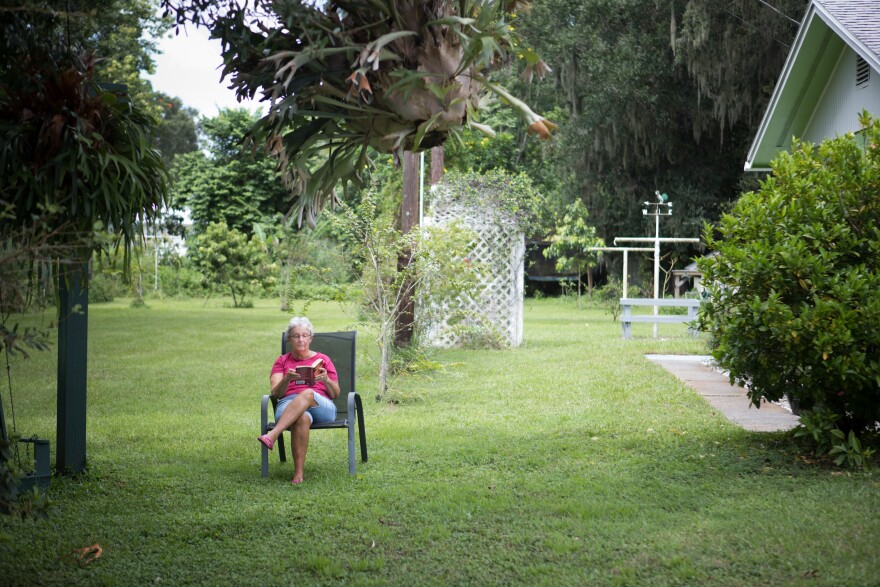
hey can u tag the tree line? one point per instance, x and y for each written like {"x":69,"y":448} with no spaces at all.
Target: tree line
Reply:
{"x":646,"y":97}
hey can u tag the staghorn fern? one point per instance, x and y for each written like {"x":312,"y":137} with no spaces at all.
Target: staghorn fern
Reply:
{"x":344,"y":76}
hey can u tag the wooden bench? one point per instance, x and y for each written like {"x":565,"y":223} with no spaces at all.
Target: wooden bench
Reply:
{"x":627,"y":318}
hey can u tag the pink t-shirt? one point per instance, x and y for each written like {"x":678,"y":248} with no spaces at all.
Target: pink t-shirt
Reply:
{"x":285,"y":362}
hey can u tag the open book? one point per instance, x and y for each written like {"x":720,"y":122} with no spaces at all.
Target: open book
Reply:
{"x":307,"y":372}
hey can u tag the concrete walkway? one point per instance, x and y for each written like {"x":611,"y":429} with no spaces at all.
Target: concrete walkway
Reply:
{"x":728,"y":399}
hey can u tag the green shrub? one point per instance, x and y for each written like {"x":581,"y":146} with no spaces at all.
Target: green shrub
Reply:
{"x":107,"y":285}
{"x":816,"y":426}
{"x":794,"y":303}
{"x":180,"y":282}
{"x":231,"y":263}
{"x":304,"y":290}
{"x":608,"y":297}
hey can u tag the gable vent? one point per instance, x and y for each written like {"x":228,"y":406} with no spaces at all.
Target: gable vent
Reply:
{"x":863,"y":73}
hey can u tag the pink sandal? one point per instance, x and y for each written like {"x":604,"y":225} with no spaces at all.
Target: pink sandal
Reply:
{"x":267,"y":442}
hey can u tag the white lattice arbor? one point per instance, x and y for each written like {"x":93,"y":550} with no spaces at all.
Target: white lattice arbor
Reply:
{"x":494,"y":313}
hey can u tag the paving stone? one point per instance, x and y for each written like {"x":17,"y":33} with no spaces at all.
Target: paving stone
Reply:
{"x":729,"y":400}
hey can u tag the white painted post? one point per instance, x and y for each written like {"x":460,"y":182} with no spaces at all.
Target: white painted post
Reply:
{"x":656,"y":266}
{"x":156,"y":273}
{"x":655,"y":209}
{"x":625,"y":251}
{"x":519,"y":253}
{"x":421,"y":187}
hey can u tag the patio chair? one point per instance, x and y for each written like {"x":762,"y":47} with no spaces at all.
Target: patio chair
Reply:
{"x":340,"y":347}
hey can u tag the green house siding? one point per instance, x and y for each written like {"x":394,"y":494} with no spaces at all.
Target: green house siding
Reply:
{"x":843,"y":100}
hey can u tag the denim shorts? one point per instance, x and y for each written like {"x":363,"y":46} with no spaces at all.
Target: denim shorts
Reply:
{"x":325,"y":411}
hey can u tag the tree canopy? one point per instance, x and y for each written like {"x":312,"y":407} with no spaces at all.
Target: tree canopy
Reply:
{"x":661,"y":96}
{"x":71,"y":148}
{"x":571,"y":242}
{"x":341,"y":77}
{"x":176,"y":132}
{"x":226,"y":182}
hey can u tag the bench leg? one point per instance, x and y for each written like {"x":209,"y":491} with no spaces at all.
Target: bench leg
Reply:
{"x":692,"y":316}
{"x":624,"y":321}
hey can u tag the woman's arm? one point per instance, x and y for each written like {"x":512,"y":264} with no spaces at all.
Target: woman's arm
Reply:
{"x":331,"y":386}
{"x":278,"y":383}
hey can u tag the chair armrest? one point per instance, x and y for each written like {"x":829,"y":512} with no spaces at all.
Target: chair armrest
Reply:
{"x":351,"y":407}
{"x":264,"y":408}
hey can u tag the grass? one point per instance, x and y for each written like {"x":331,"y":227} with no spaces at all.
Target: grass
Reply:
{"x":569,"y":461}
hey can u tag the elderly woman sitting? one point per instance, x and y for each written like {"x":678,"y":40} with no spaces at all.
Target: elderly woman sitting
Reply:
{"x":301,"y":402}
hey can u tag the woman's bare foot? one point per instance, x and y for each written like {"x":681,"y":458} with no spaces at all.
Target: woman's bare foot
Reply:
{"x":297,"y":479}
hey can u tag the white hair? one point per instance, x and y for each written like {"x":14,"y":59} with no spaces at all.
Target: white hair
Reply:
{"x":301,"y":322}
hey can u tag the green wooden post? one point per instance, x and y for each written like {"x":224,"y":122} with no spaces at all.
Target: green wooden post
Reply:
{"x":72,"y":337}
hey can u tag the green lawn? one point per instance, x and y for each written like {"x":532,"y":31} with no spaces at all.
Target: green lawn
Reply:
{"x":569,"y":461}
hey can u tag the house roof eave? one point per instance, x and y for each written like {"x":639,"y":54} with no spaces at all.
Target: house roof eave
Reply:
{"x":817,"y":15}
{"x":781,"y":84}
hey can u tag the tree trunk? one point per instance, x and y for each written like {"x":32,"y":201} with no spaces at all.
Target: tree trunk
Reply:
{"x":409,"y":219}
{"x":232,"y":291}
{"x":284,"y":285}
{"x":590,"y":282}
{"x":438,"y":158}
{"x":384,"y":357}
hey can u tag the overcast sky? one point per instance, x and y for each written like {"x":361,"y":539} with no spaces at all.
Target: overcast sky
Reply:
{"x":188,"y":68}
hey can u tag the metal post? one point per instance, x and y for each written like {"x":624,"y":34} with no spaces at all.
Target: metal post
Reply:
{"x":625,"y":271}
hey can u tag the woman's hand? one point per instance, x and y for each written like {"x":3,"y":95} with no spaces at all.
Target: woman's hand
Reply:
{"x":330,"y":386}
{"x":291,"y":374}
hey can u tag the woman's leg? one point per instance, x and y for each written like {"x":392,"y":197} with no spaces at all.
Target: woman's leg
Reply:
{"x":300,"y":435}
{"x":293,"y":412}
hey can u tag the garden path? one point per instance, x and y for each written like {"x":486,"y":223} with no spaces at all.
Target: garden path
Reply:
{"x":697,"y":372}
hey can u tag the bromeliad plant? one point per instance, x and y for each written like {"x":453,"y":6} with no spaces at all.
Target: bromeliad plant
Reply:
{"x":344,"y":76}
{"x":77,"y":153}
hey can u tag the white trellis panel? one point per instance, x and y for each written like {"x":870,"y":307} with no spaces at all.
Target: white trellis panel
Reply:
{"x":497,"y":307}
